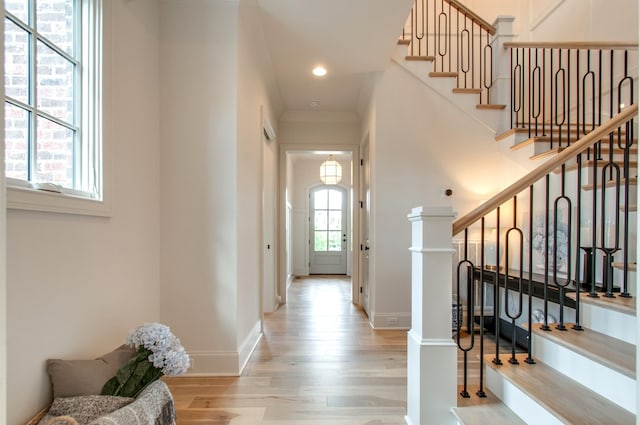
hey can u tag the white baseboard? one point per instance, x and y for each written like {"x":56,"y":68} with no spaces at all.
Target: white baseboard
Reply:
{"x":390,"y":320}
{"x":225,"y":363}
{"x":249,"y":345}
{"x":213,"y":363}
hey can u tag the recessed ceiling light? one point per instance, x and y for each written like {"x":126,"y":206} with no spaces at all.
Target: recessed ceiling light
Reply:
{"x":319,"y":71}
{"x":314,"y":104}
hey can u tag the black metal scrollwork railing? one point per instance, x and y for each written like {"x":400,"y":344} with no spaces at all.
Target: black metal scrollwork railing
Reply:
{"x":562,"y":91}
{"x":567,"y":223}
{"x":456,"y":40}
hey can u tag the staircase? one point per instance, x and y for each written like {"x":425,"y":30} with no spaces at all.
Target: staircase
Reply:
{"x":578,"y":364}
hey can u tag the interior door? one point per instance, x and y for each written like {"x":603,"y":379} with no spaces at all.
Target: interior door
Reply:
{"x":328,"y":230}
{"x":364,"y":219}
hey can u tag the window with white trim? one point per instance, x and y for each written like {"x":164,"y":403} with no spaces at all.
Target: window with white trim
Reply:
{"x":52,"y":51}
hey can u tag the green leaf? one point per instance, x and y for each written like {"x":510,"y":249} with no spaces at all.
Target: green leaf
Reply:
{"x":129,"y":378}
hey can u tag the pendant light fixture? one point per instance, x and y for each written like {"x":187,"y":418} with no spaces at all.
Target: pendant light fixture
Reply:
{"x":330,"y":171}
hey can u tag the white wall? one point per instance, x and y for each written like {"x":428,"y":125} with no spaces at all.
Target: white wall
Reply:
{"x":318,"y":129}
{"x":3,"y":265}
{"x":199,"y":166}
{"x":77,"y":284}
{"x":255,"y":94}
{"x":214,"y":82}
{"x":565,"y":20}
{"x":420,"y":145}
{"x":579,"y":20}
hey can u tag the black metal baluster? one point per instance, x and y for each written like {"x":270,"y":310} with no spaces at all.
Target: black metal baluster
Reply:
{"x":529,"y":78}
{"x":488,"y":59}
{"x":563,"y":198}
{"x":529,"y":359}
{"x":609,"y":248}
{"x":449,"y":32}
{"x":576,"y":326}
{"x":458,"y":44}
{"x":413,"y":33}
{"x":465,"y":48}
{"x":514,"y":114}
{"x":435,"y":37}
{"x":522,"y":83}
{"x":516,"y":315}
{"x":473,"y":56}
{"x":419,"y":35}
{"x":516,"y":97}
{"x":544,"y":90}
{"x":560,"y":73}
{"x":551,"y":103}
{"x":566,"y":105}
{"x":481,"y":393}
{"x":496,"y":289}
{"x":626,"y":148}
{"x":469,"y":287}
{"x":588,"y":75}
{"x":545,"y":325}
{"x":594,"y":221}
{"x":442,"y":34}
{"x":536,"y":96}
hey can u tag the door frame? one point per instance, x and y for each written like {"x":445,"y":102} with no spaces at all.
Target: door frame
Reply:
{"x":354,"y":257}
{"x":269,"y":288}
{"x":365,"y":303}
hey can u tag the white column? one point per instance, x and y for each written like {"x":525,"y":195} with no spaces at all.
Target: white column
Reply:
{"x":431,"y":352}
{"x":501,"y":87}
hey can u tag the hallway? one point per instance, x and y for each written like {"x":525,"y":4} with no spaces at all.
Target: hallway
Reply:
{"x":319,"y":362}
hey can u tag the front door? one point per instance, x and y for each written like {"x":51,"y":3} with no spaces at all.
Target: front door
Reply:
{"x":328,"y":230}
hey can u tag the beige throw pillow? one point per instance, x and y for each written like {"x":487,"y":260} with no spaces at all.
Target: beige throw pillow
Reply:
{"x":86,"y":377}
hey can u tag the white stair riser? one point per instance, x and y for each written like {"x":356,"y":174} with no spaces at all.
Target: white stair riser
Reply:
{"x":613,"y":385}
{"x":528,"y":409}
{"x":613,"y":323}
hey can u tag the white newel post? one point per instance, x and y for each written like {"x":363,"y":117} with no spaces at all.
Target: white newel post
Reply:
{"x":501,"y":85}
{"x":431,"y":351}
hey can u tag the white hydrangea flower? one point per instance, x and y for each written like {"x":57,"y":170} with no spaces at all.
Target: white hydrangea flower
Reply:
{"x":167,"y":353}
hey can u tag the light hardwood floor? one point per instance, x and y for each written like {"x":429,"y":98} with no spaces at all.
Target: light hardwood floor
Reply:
{"x":318,"y":363}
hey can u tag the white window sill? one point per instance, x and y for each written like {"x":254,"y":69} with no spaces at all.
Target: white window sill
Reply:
{"x":22,"y":197}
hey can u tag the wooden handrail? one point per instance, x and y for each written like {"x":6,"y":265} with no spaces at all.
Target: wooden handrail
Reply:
{"x":474,"y":17}
{"x":604,"y":45}
{"x":571,"y":152}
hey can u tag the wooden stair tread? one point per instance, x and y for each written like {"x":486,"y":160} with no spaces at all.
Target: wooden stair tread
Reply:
{"x":610,"y":352}
{"x":544,"y":154}
{"x":443,"y":74}
{"x":569,"y":401}
{"x":589,"y":163}
{"x":491,"y":107}
{"x":633,"y":181}
{"x":404,"y":42}
{"x":620,"y":304}
{"x":555,"y":130}
{"x":467,"y":91}
{"x":482,"y":411}
{"x":631,"y":266}
{"x":560,"y":149}
{"x":420,"y":58}
{"x":547,"y":139}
